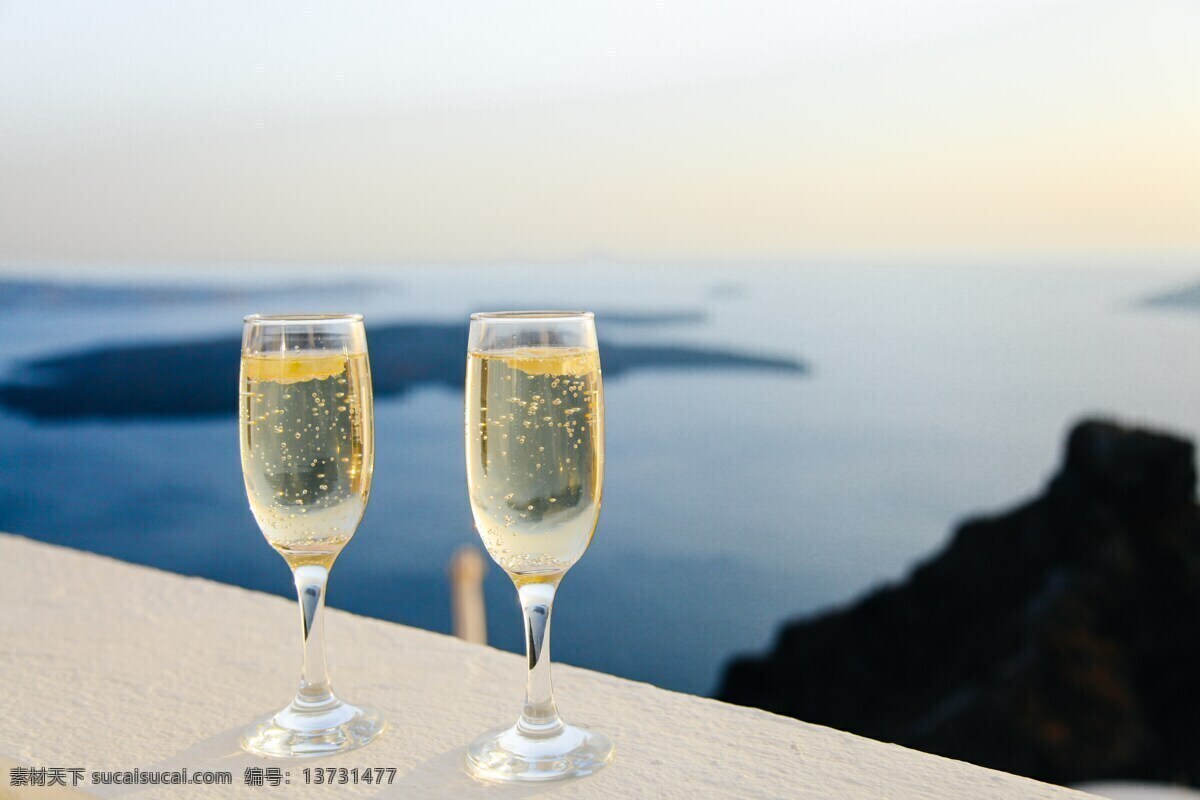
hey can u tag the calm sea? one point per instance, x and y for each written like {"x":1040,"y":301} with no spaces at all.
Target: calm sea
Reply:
{"x":780,"y":439}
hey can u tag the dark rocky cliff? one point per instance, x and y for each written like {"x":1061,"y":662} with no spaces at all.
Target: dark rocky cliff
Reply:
{"x":1060,"y":640}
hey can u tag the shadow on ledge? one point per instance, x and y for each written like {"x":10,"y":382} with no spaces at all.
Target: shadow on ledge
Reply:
{"x":197,"y":379}
{"x":1059,"y":640}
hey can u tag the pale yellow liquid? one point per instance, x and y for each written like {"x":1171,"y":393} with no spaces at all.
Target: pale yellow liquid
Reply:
{"x":307,"y":450}
{"x":535,"y":456}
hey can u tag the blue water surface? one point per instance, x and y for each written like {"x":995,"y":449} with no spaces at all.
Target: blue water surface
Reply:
{"x":780,"y":439}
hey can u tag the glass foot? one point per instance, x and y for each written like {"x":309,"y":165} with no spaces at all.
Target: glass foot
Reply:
{"x":307,"y":731}
{"x":517,"y":754}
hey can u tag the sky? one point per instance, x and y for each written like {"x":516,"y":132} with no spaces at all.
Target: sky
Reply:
{"x":391,"y":131}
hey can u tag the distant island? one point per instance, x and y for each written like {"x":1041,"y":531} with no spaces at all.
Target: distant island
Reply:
{"x":1186,"y":297}
{"x":199,"y":378}
{"x":1058,"y":640}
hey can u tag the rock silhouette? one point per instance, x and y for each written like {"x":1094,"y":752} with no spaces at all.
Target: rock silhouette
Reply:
{"x":1060,"y":640}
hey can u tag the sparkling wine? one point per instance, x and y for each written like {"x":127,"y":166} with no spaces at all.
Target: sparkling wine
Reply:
{"x":307,"y":449}
{"x":535,"y":455}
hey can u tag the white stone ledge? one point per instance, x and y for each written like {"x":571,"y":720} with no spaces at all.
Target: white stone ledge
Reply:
{"x":110,"y":666}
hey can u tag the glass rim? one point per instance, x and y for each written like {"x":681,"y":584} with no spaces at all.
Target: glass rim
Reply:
{"x":520,"y":316}
{"x":300,"y":319}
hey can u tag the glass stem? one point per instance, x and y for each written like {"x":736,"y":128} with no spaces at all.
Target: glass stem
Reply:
{"x":540,"y":716}
{"x":315,"y":689}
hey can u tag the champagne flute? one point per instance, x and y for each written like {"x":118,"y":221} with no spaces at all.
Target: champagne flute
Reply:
{"x":535,"y":471}
{"x":307,"y":441}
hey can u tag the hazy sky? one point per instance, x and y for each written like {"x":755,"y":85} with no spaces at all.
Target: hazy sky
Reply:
{"x":398,"y":131}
